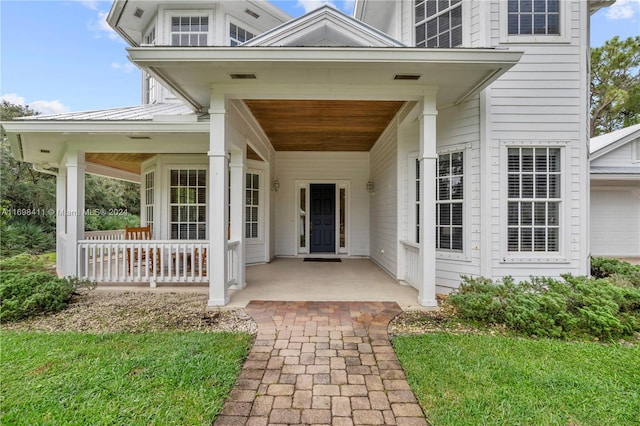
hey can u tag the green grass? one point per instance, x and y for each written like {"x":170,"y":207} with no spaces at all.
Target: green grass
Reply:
{"x":117,"y":379}
{"x":497,"y":380}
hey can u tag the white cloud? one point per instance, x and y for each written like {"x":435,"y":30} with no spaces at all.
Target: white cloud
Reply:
{"x":623,"y":9}
{"x":42,"y":106}
{"x":309,"y":5}
{"x":12,"y":98}
{"x":100,"y":27}
{"x":90,"y":4}
{"x":126,"y":67}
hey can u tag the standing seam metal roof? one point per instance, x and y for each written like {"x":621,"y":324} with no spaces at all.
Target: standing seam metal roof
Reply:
{"x":133,"y":113}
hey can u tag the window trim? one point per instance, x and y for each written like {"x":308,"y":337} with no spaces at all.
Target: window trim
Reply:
{"x":564,"y":22}
{"x":467,"y":215}
{"x":563,"y":223}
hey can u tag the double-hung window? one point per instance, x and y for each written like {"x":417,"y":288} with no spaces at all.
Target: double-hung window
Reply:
{"x":534,"y":197}
{"x":449,"y":201}
{"x":149,"y":197}
{"x":533,"y":17}
{"x":188,"y":204}
{"x":189,"y":30}
{"x":438,"y":23}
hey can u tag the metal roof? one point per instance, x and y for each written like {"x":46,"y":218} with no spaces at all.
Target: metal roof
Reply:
{"x":133,"y":113}
{"x":603,"y":141}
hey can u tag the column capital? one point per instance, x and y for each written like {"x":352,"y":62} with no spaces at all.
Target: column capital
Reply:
{"x":217,"y":154}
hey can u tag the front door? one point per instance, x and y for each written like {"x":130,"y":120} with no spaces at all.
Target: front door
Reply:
{"x":323,"y":218}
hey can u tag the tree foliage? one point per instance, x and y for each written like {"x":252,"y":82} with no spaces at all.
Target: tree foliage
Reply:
{"x":615,"y":85}
{"x":22,"y":189}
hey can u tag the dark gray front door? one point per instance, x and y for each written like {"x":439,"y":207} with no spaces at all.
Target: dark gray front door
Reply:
{"x":323,"y":218}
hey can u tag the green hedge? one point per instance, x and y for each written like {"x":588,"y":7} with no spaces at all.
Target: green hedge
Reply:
{"x":27,"y":288}
{"x":571,"y":307}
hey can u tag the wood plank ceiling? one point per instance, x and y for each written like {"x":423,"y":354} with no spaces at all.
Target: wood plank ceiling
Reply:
{"x":127,"y":162}
{"x":313,"y":125}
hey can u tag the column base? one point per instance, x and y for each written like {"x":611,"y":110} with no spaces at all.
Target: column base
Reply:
{"x":428,"y":302}
{"x":218,"y":302}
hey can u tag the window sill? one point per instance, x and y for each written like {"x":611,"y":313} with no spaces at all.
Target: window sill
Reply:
{"x":459,"y":257}
{"x":533,"y":258}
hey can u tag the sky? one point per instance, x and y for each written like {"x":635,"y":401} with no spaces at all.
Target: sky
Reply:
{"x":60,"y":55}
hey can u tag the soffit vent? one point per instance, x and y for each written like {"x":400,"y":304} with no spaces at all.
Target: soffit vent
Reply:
{"x":139,"y":137}
{"x":413,"y":77}
{"x":138,"y":13}
{"x":246,"y":76}
{"x":251,"y":13}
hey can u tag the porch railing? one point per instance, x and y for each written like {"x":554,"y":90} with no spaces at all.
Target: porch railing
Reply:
{"x":152,"y":261}
{"x":412,"y":264}
{"x":116,"y":234}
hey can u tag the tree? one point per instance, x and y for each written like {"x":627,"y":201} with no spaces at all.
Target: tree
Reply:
{"x":615,"y":85}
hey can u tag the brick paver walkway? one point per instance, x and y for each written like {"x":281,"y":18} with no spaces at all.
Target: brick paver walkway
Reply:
{"x":322,"y":363}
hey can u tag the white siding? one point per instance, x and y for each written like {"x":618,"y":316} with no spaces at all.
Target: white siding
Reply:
{"x":459,"y":128}
{"x":322,"y":167}
{"x":540,"y":100}
{"x":615,"y":222}
{"x":619,"y":157}
{"x":384,"y":201}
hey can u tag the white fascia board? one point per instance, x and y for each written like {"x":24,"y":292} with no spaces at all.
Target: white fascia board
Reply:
{"x":614,"y":177}
{"x":110,"y":172}
{"x":148,"y":56}
{"x":68,"y":126}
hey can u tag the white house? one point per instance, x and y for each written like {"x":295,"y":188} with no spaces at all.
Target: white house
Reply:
{"x":615,"y":193}
{"x":436,"y":138}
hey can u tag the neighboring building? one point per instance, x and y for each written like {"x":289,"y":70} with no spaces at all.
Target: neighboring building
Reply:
{"x":615,"y":193}
{"x":436,"y":138}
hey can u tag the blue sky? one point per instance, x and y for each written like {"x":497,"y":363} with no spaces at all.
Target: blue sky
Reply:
{"x":59,"y":56}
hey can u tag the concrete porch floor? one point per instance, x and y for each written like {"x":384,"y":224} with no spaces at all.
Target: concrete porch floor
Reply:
{"x":292,"y":279}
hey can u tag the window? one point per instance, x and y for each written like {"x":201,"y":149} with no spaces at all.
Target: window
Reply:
{"x":303,"y":219}
{"x":149,"y":186}
{"x":343,"y":217}
{"x":188,"y":204}
{"x":449,"y":201}
{"x":150,"y":82}
{"x":189,"y":30}
{"x":534,"y":196}
{"x":238,"y":35}
{"x":252,"y":205}
{"x":438,"y":23}
{"x":531,"y":17}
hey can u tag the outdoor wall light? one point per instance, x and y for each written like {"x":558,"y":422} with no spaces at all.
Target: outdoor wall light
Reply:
{"x":370,"y":187}
{"x":276,"y":185}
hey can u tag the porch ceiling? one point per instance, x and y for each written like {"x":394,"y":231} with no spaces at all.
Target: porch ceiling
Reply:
{"x":313,"y":125}
{"x":120,"y":161}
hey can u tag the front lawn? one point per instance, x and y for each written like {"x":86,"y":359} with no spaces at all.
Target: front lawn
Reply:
{"x":498,"y":380}
{"x":74,"y":378}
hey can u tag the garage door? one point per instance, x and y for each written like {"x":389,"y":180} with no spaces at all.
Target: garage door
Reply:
{"x":615,"y":222}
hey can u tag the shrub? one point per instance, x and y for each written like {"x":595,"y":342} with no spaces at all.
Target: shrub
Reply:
{"x":603,"y":267}
{"x":27,"y":290}
{"x":19,"y":237}
{"x":572,"y":307}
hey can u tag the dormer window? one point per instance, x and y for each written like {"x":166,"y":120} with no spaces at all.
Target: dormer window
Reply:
{"x":532,"y":17}
{"x":189,"y":30}
{"x":238,"y":35}
{"x":438,"y":23}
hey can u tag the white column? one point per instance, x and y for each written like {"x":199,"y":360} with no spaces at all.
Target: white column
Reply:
{"x":428,"y":157}
{"x":74,"y":211}
{"x":61,"y":220}
{"x":238,"y":177}
{"x":218,"y":202}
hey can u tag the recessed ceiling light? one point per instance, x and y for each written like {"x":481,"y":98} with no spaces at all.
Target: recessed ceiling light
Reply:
{"x":243,"y":76}
{"x":407,"y":77}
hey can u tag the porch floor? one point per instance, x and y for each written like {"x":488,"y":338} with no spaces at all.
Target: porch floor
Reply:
{"x":292,"y":279}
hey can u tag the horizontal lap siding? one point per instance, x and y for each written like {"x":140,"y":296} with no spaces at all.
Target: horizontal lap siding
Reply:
{"x":460,"y":127}
{"x":620,"y":157}
{"x":322,"y":167}
{"x":383,"y":213}
{"x":540,"y":99}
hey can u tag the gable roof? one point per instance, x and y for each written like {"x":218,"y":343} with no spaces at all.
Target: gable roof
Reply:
{"x":324,"y":27}
{"x":600,"y":145}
